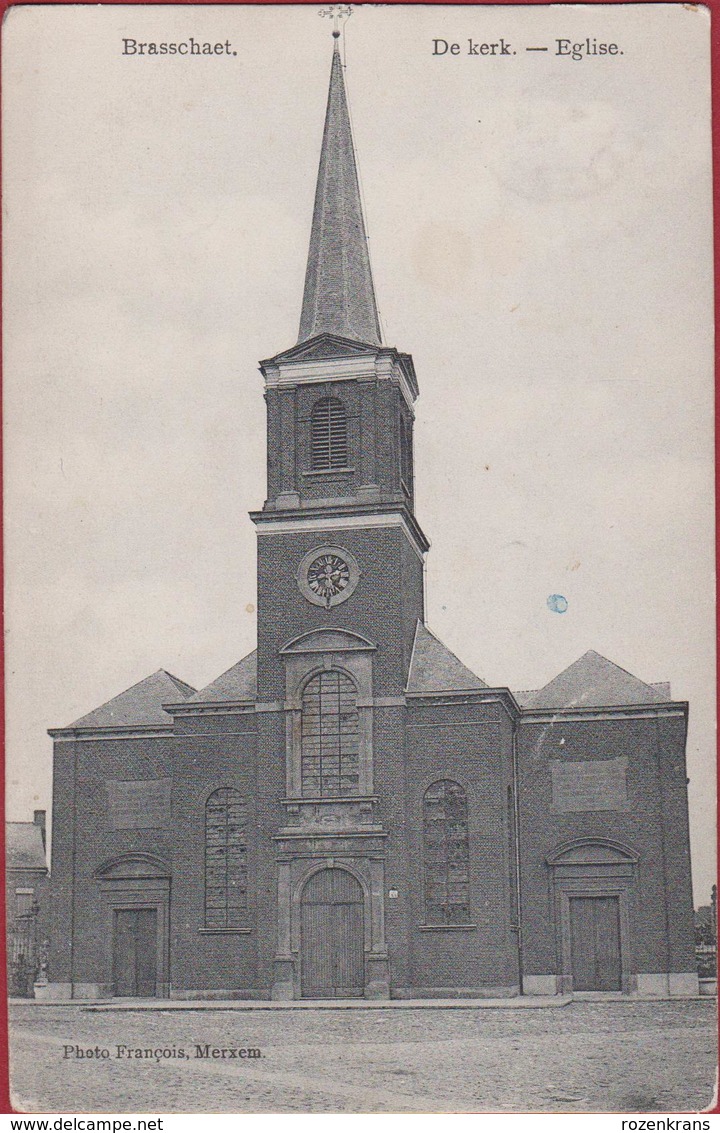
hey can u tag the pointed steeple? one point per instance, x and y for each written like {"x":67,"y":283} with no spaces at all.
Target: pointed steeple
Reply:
{"x":339,"y":296}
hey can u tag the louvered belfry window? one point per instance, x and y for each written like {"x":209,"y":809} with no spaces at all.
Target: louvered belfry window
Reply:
{"x":225,"y":859}
{"x":329,"y":439}
{"x":330,"y":736}
{"x":447,"y":858}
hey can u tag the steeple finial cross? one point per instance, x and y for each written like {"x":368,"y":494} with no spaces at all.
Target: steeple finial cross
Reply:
{"x":339,"y":12}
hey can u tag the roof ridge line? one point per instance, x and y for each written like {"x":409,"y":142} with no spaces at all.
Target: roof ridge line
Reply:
{"x":449,"y":650}
{"x":177,"y":680}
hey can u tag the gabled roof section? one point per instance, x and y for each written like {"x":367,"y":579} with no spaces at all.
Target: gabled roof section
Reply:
{"x":433,"y":668}
{"x":24,"y":846}
{"x":238,"y":683}
{"x":339,"y":295}
{"x":594,"y":682}
{"x":140,"y":705}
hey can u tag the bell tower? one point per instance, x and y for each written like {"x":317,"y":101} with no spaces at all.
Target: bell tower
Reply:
{"x":340,"y":422}
{"x":340,"y":593}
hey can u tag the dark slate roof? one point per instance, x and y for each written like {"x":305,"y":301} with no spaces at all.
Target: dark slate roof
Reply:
{"x":24,"y":846}
{"x":339,"y":295}
{"x":140,"y":705}
{"x":238,"y":683}
{"x":594,"y":682}
{"x":662,"y":688}
{"x":433,"y":668}
{"x":524,"y":696}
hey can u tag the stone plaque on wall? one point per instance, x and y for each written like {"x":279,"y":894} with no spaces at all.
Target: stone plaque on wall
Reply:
{"x":593,"y":784}
{"x":138,"y":804}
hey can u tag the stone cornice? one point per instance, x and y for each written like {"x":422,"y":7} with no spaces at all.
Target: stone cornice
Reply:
{"x":361,"y":515}
{"x":452,"y":697}
{"x":291,"y":833}
{"x":121,"y":732}
{"x":606,"y":712}
{"x":382,"y":365}
{"x":210,"y":707}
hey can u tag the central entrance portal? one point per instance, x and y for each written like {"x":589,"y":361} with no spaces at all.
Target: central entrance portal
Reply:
{"x":333,"y":952}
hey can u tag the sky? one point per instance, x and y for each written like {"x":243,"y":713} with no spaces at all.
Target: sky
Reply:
{"x":540,"y":234}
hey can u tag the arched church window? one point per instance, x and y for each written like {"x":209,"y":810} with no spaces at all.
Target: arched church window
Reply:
{"x":330,"y":736}
{"x":225,"y":859}
{"x":446,"y":851}
{"x":329,"y":440}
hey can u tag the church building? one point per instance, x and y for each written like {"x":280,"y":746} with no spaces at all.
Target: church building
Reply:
{"x":349,"y":811}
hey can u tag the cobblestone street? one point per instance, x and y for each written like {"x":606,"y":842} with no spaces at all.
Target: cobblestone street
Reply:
{"x":621,"y":1056}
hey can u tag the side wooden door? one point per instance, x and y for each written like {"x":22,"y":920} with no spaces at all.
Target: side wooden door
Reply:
{"x":595,"y":943}
{"x":135,"y":952}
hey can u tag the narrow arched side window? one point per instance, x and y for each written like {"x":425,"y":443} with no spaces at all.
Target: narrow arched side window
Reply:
{"x":330,"y":736}
{"x":328,"y":435}
{"x":225,"y":859}
{"x":446,"y":854}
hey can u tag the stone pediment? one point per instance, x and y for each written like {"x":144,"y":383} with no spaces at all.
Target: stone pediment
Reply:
{"x":323,"y":346}
{"x":591,"y":851}
{"x":328,"y":641}
{"x":133,"y":866}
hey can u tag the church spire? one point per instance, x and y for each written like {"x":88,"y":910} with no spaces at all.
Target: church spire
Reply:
{"x":339,"y":296}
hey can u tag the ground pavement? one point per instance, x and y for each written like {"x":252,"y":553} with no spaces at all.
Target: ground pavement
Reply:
{"x":627,"y":1056}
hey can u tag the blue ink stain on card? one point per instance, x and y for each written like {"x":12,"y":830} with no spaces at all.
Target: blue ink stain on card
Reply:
{"x":557,"y":603}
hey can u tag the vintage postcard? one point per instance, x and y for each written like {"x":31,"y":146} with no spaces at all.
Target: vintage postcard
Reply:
{"x":306,"y":815}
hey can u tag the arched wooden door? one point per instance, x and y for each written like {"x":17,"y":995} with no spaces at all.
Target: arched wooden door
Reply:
{"x":332,"y":948}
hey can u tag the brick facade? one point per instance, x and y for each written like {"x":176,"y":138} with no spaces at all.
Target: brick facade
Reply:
{"x":480,"y":739}
{"x":653,"y":827}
